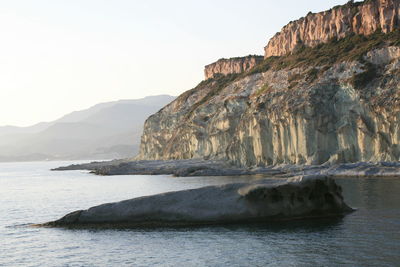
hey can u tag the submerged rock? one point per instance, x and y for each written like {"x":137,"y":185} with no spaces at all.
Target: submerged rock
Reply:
{"x":298,"y":197}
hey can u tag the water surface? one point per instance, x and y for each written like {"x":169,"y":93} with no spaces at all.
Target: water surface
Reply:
{"x":30,"y":193}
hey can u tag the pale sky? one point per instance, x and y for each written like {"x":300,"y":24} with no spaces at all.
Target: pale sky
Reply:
{"x":57,"y":56}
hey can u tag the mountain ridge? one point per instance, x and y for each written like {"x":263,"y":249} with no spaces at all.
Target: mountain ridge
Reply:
{"x":106,"y":130}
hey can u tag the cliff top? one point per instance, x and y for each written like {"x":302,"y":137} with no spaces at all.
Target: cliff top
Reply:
{"x":363,"y":18}
{"x":231,"y":65}
{"x":349,"y":22}
{"x":235,"y":59}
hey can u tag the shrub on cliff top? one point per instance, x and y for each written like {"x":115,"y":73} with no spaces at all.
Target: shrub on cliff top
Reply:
{"x":351,"y":48}
{"x":216,"y":84}
{"x":262,"y":90}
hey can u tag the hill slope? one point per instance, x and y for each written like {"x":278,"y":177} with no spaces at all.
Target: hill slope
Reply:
{"x":106,"y":130}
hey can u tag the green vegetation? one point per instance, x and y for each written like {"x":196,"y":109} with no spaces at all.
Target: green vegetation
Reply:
{"x":294,"y":77}
{"x":312,"y":75}
{"x":353,"y":5}
{"x":318,"y":59}
{"x":262,"y":90}
{"x":294,"y":80}
{"x":216,"y":84}
{"x":293,"y":84}
{"x":351,"y":48}
{"x":360,"y":80}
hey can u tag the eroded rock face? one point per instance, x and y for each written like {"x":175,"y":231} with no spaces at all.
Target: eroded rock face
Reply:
{"x":339,"y":22}
{"x":294,"y":116}
{"x":232,"y":65}
{"x":299,"y":197}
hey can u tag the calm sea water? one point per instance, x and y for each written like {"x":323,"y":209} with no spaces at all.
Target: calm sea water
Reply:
{"x":30,"y":193}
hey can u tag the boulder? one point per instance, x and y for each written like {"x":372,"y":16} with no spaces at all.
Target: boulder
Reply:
{"x":266,"y":200}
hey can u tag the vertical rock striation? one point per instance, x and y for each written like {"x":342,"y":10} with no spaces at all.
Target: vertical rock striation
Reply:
{"x":286,"y":116}
{"x":313,"y":106}
{"x":231,"y":66}
{"x":341,"y":21}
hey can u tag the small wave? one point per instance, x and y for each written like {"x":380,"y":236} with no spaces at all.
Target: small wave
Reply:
{"x":22,"y":225}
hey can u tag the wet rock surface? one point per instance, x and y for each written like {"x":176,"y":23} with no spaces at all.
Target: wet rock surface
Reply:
{"x":199,"y":167}
{"x":296,"y":198}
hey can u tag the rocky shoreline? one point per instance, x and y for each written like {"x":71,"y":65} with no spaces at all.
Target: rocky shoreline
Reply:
{"x":200,"y":167}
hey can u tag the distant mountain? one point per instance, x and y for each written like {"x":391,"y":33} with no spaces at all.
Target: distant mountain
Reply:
{"x":106,"y":130}
{"x":4,"y":130}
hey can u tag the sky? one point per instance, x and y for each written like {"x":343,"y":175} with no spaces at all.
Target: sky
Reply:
{"x":57,"y":56}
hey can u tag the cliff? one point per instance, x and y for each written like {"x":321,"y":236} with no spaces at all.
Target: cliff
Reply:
{"x":336,"y":102}
{"x":353,"y":18}
{"x":306,"y":113}
{"x":230,"y":66}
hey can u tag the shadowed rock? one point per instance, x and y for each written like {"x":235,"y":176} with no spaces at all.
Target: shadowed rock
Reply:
{"x":298,"y":197}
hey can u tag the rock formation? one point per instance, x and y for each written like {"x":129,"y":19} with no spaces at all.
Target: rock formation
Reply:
{"x":353,"y":18}
{"x":199,"y":167}
{"x":299,"y":197}
{"x":232,"y":65}
{"x":337,"y":102}
{"x":304,"y":115}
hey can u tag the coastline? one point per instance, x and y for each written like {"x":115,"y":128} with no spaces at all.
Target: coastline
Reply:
{"x":200,"y":167}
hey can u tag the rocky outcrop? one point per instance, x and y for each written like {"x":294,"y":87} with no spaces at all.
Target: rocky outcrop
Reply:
{"x":198,"y":167}
{"x":345,"y":112}
{"x":230,"y":66}
{"x":353,"y":18}
{"x":299,"y":197}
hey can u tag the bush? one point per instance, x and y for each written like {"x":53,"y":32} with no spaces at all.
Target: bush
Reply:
{"x":217,"y":83}
{"x":360,"y":80}
{"x":312,"y":75}
{"x":262,"y":89}
{"x":351,"y":48}
{"x":294,"y":77}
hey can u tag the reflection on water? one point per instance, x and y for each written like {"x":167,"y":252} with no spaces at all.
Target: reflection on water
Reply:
{"x":31,"y":194}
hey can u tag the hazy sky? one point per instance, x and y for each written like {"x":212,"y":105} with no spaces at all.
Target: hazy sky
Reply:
{"x":57,"y":56}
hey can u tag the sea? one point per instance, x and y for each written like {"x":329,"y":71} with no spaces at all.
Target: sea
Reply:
{"x":31,"y":193}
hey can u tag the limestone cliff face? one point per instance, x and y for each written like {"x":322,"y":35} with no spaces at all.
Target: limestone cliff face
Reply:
{"x":359,"y":18}
{"x":232,"y":65}
{"x":305,"y":115}
{"x":337,"y":102}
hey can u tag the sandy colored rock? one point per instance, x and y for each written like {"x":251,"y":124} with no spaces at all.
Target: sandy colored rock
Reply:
{"x":232,"y":65}
{"x":338,"y":22}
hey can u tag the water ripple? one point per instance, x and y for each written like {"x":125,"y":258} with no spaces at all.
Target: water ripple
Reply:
{"x":368,"y":237}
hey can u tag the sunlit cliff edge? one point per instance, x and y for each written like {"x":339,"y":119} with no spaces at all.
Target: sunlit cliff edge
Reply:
{"x":339,"y":22}
{"x":331,"y":96}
